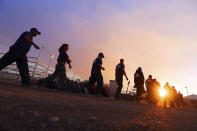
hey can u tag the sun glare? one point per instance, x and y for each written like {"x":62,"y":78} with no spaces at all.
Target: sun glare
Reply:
{"x":162,"y":92}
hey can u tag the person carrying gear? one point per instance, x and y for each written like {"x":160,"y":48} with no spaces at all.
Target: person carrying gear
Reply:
{"x":60,"y":69}
{"x":174,"y":98}
{"x":18,"y":53}
{"x":180,"y":99}
{"x":149,"y":86}
{"x":167,"y":97}
{"x":155,"y":91}
{"x":119,"y":72}
{"x":96,"y":75}
{"x":139,"y":82}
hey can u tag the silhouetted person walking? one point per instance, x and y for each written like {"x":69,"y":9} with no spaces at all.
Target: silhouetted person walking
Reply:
{"x":96,"y":75}
{"x":139,"y":82}
{"x":155,"y":91}
{"x":174,"y":97}
{"x":149,"y":88}
{"x":168,"y":95}
{"x":180,"y":100}
{"x":120,"y":71}
{"x":60,"y":69}
{"x":18,"y":53}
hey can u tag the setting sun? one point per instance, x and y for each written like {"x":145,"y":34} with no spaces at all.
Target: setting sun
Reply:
{"x":162,"y":92}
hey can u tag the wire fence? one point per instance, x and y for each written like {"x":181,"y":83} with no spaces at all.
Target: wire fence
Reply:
{"x":37,"y":68}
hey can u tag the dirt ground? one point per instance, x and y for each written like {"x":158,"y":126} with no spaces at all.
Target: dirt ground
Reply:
{"x":33,"y":108}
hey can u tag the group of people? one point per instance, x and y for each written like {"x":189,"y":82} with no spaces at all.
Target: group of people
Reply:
{"x":170,"y":98}
{"x":18,"y":53}
{"x":152,"y":87}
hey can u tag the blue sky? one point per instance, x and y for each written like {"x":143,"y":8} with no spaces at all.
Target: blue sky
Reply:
{"x":160,"y":36}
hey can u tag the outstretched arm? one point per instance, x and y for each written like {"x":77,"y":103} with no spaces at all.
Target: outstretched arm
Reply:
{"x":31,"y":42}
{"x":125,"y":75}
{"x":123,"y":70}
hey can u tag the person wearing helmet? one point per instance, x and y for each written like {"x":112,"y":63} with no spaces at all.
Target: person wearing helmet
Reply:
{"x":139,"y":82}
{"x":167,"y":97}
{"x":174,"y":97}
{"x":96,"y":75}
{"x":149,"y":88}
{"x":119,"y":72}
{"x":18,"y":53}
{"x":180,"y":100}
{"x":155,"y":89}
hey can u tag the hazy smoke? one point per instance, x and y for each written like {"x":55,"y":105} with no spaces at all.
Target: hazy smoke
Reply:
{"x":158,"y":36}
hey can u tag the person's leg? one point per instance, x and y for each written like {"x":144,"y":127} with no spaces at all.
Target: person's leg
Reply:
{"x":92,"y":79}
{"x":62,"y":76}
{"x":139,"y":92}
{"x":165,"y":101}
{"x":119,"y":82}
{"x":7,"y":59}
{"x":22,"y":65}
{"x":150,"y":96}
{"x":148,"y":93}
{"x":99,"y":79}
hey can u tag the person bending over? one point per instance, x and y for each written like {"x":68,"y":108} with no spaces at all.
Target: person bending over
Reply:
{"x":18,"y":53}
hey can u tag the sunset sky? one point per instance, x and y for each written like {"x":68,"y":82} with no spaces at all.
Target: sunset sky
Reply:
{"x":159,"y":36}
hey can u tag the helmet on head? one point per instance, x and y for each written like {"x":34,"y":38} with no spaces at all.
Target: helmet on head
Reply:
{"x":101,"y":55}
{"x":121,"y":60}
{"x":150,"y":76}
{"x":35,"y":30}
{"x":139,"y":69}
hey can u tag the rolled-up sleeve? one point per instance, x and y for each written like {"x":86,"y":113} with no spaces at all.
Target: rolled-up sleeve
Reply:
{"x":67,"y":58}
